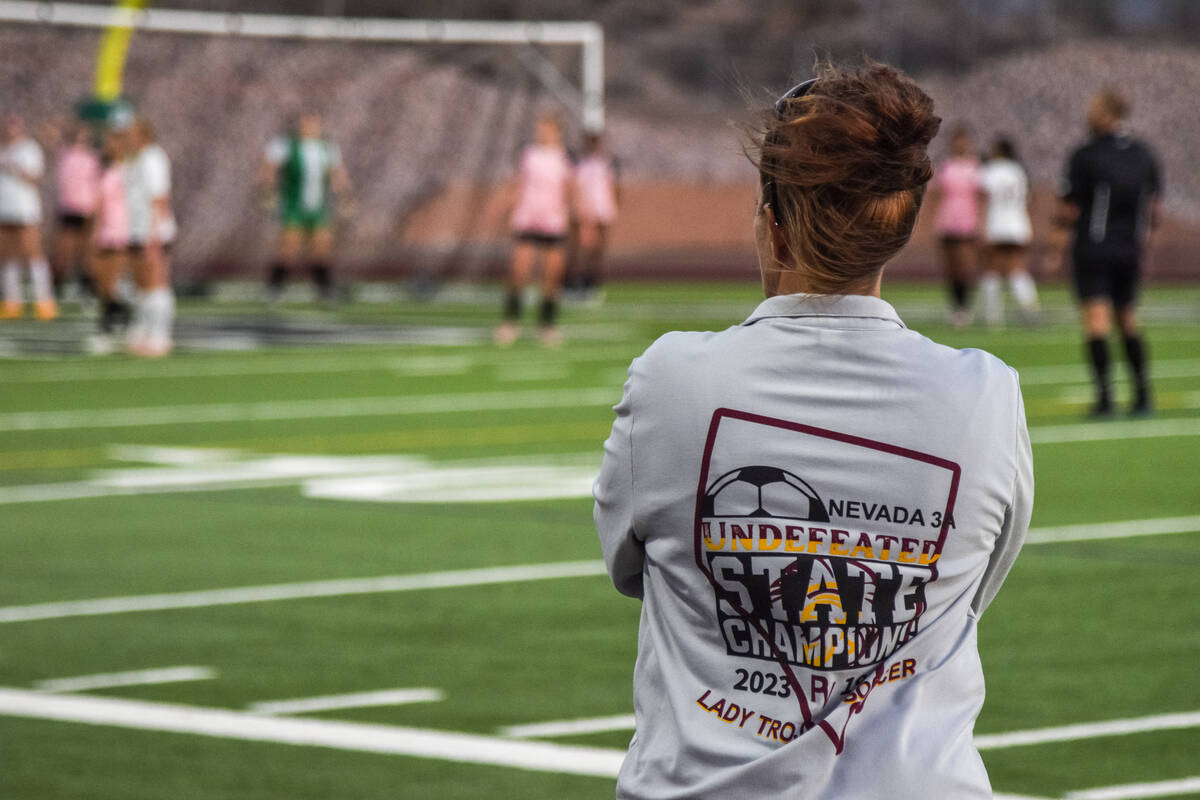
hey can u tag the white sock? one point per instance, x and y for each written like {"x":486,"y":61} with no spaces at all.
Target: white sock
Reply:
{"x":12,"y":283}
{"x":1023,"y":288}
{"x":139,"y":321}
{"x":991,"y":298}
{"x":43,"y":284}
{"x":162,"y":317}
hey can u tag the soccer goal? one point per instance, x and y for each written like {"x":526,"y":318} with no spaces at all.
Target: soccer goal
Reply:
{"x":429,"y":116}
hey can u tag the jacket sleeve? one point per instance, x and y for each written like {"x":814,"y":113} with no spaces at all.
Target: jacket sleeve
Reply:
{"x":624,"y":552}
{"x":1016,"y":517}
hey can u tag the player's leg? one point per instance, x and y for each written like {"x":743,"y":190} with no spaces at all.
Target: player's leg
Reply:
{"x":159,"y":302}
{"x":553,"y":268}
{"x":287,"y":254}
{"x":1020,"y":282}
{"x":991,"y":291}
{"x":106,"y":266}
{"x":520,"y":269}
{"x":10,"y":273}
{"x":593,"y":263}
{"x":956,"y":257}
{"x":320,"y":248}
{"x":1093,"y":285}
{"x":29,"y":243}
{"x":1124,"y":297}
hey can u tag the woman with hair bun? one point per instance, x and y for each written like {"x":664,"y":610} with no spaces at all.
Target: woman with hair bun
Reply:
{"x":816,"y":506}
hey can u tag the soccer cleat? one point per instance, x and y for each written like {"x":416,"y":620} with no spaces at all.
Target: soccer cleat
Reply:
{"x":550,"y":337}
{"x":1142,"y":405}
{"x":1103,"y":409}
{"x":10,"y":310}
{"x":45,"y":310}
{"x":505,"y":334}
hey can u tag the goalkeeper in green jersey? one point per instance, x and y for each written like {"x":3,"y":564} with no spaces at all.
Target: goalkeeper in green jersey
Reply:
{"x":306,"y":170}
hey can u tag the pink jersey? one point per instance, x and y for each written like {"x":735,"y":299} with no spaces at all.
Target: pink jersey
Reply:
{"x":545,"y":180}
{"x":112,"y":223}
{"x":958,"y":212}
{"x":78,"y":181}
{"x":596,"y":183}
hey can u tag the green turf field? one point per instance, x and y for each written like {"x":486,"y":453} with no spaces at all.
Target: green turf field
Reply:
{"x":182,"y":488}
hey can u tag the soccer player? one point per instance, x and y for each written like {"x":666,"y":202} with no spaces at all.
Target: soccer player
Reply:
{"x":307,"y":171}
{"x":539,"y":222}
{"x":792,"y":645}
{"x":1007,"y":232}
{"x":151,"y":232}
{"x":597,"y":196}
{"x":956,"y":196}
{"x":21,"y":170}
{"x":78,"y":172}
{"x":1110,"y":201}
{"x":110,"y":240}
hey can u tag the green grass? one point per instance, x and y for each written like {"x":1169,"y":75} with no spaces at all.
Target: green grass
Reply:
{"x":1081,"y":632}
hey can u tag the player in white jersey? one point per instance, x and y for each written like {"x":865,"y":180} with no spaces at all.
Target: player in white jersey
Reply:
{"x":151,"y":233}
{"x":815,"y":507}
{"x":21,"y":169}
{"x":1007,"y":232}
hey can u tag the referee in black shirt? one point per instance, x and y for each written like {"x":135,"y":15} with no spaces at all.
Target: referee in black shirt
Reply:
{"x":1110,"y":199}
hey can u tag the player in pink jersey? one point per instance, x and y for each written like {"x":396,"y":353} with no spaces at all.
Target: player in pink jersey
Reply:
{"x":956,"y":195}
{"x":539,"y":221}
{"x":110,"y":237}
{"x":597,"y":194}
{"x":78,"y":192}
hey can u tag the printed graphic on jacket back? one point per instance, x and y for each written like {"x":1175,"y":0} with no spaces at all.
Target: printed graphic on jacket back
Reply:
{"x":819,"y":545}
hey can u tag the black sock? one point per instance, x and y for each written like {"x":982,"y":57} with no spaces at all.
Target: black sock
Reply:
{"x":958,"y":290}
{"x":1135,"y":352}
{"x":512,"y":305}
{"x":1098,"y":353}
{"x":549,"y":312}
{"x":277,"y":276}
{"x":114,"y":315}
{"x":323,"y":278}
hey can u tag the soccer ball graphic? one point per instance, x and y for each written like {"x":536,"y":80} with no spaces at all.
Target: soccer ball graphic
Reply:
{"x":760,"y":491}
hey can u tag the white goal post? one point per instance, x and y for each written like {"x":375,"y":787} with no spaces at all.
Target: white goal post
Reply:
{"x":588,"y":35}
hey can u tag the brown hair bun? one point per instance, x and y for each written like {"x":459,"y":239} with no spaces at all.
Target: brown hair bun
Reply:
{"x":849,"y":164}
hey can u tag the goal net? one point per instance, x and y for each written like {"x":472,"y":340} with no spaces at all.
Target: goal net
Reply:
{"x":429,"y":117}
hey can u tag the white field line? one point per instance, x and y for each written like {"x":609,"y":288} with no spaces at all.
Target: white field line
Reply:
{"x":1089,"y":730}
{"x":1052,"y":374}
{"x":461,"y":578}
{"x":570,"y":727}
{"x":141,"y":677}
{"x":329,"y":408}
{"x":1105,"y":431}
{"x":355,"y":736}
{"x":296,"y":591}
{"x":1137,"y":791}
{"x":1113,"y":530}
{"x":333,"y":702}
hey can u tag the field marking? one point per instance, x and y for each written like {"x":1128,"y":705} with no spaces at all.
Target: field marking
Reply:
{"x":472,"y":577}
{"x":334,"y":702}
{"x":141,"y":677}
{"x":570,"y":727}
{"x":1105,"y":431}
{"x":297,"y":591}
{"x":328,"y":408}
{"x":1113,"y":530}
{"x":1052,"y":374}
{"x":356,"y":736}
{"x":1136,"y":791}
{"x":1089,"y":730}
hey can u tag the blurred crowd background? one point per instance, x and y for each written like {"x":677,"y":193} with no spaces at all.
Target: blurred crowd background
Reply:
{"x":429,"y":132}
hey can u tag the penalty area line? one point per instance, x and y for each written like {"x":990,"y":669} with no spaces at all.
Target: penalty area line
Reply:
{"x":141,"y":677}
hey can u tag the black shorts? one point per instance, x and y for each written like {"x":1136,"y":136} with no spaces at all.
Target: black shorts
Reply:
{"x":72,"y":222}
{"x":541,"y":239}
{"x":1113,"y":279}
{"x":137,"y":248}
{"x":957,"y":238}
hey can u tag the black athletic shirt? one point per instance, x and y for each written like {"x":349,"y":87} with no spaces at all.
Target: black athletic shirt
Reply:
{"x":1112,"y":180}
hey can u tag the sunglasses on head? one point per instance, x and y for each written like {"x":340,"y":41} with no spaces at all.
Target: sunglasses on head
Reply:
{"x":768,"y":185}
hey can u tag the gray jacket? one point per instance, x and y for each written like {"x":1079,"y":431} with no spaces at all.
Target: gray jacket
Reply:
{"x":815,"y":507}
